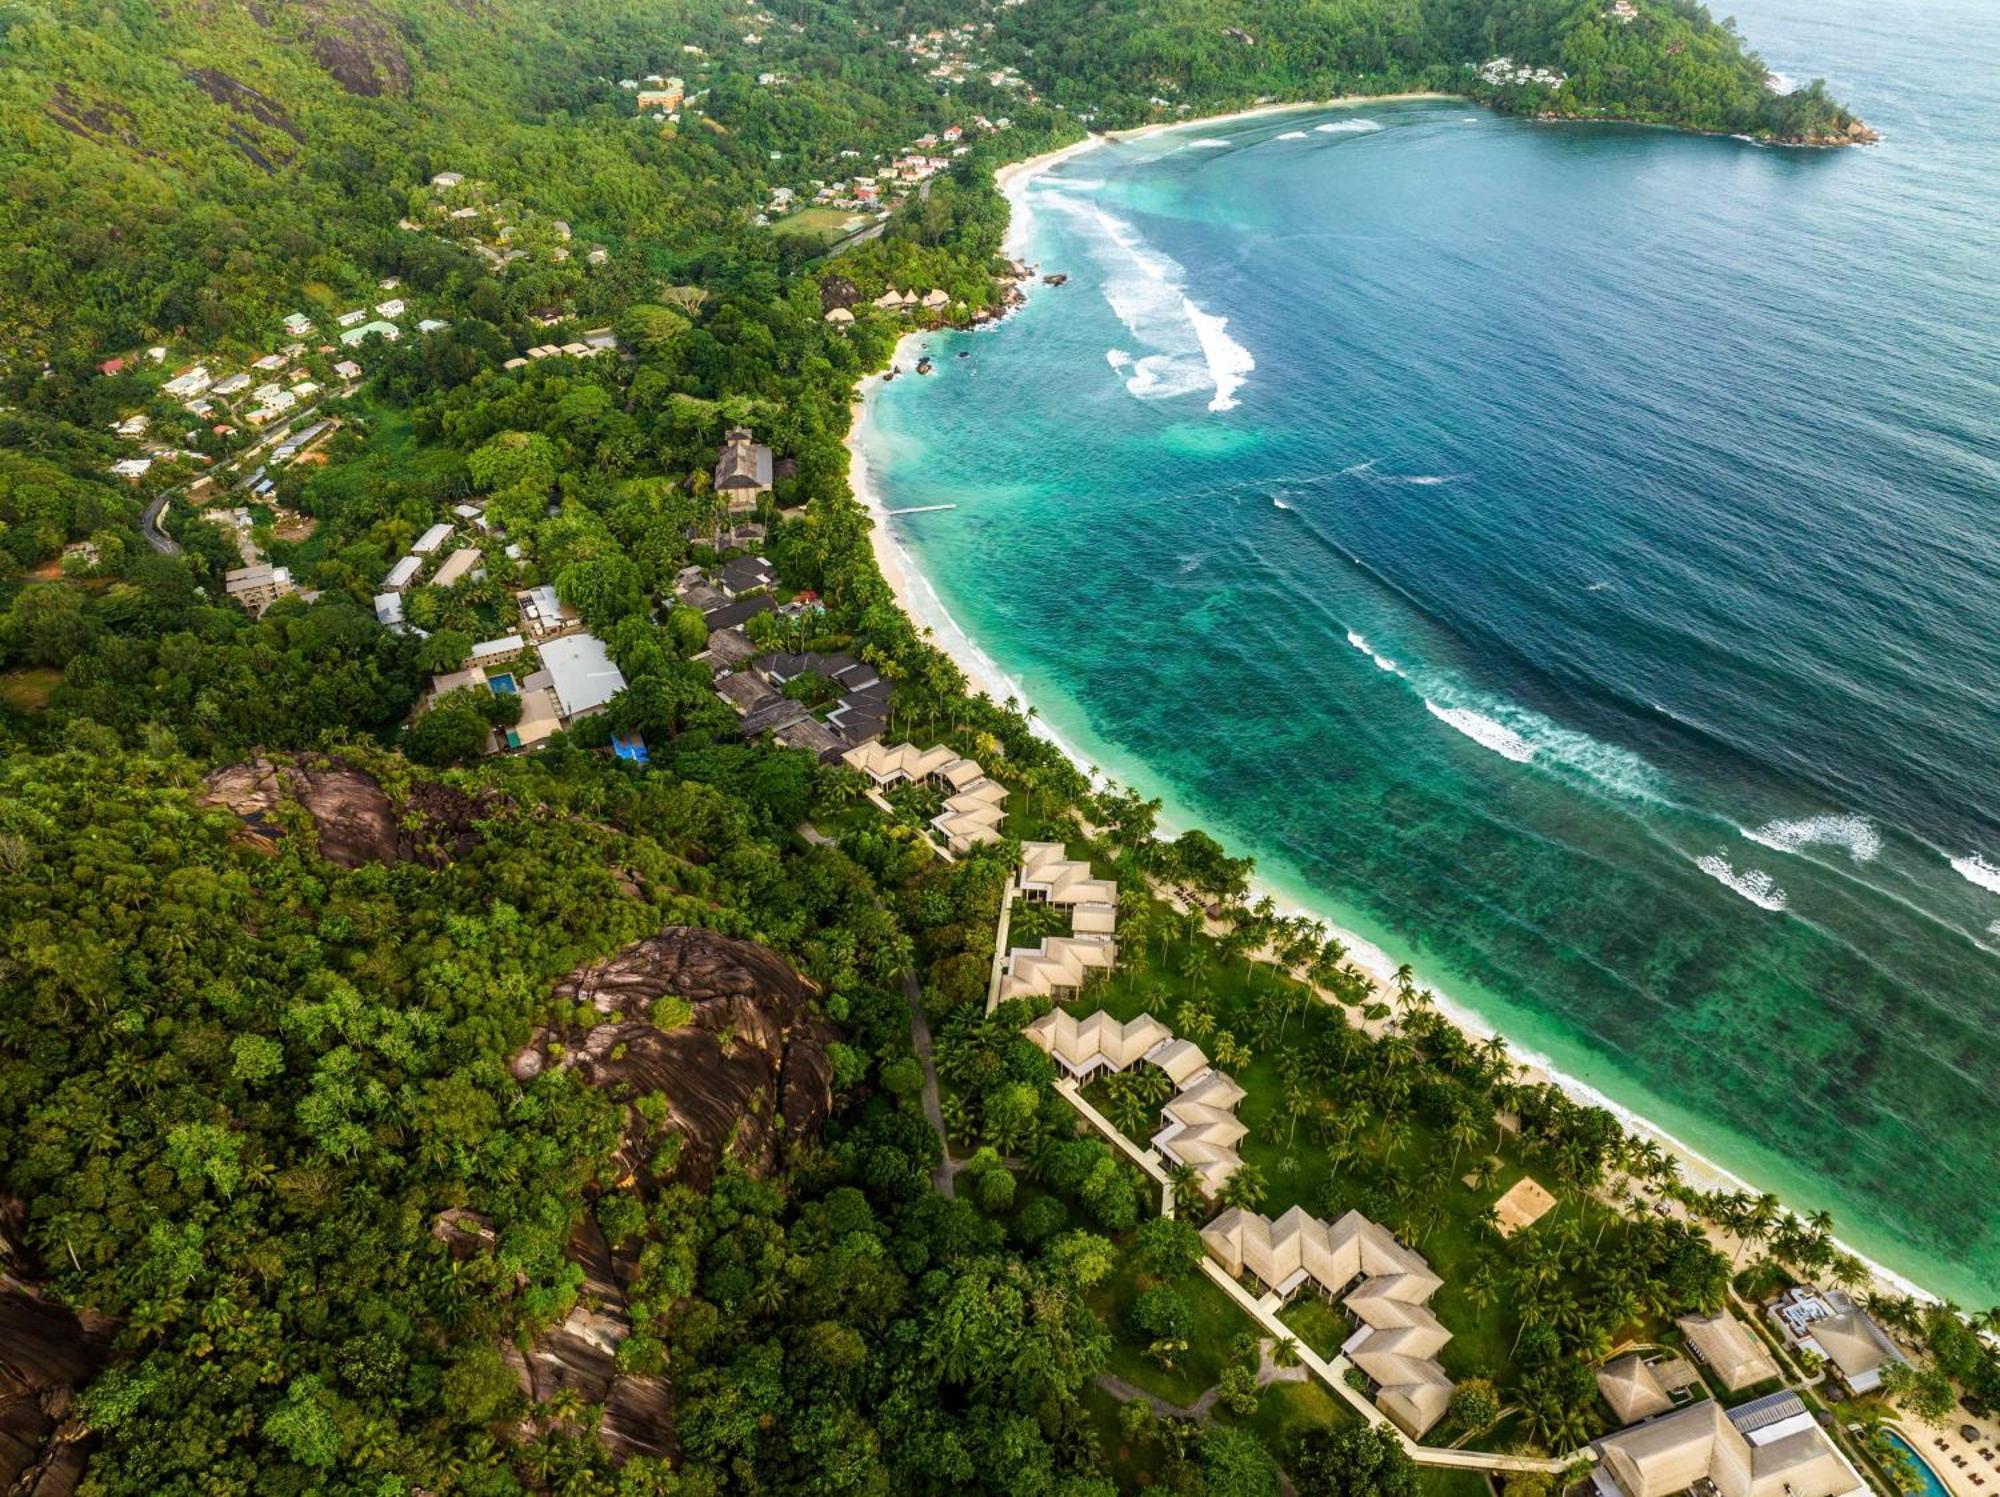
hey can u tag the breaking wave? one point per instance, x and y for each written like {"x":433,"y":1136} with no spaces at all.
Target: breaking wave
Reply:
{"x":1974,"y":869}
{"x":1753,"y":884}
{"x":1852,"y":833}
{"x":1293,"y":135}
{"x":1209,"y":143}
{"x":1188,"y":348}
{"x":1382,"y":662}
{"x":1484,"y":731}
{"x":1346,"y":127}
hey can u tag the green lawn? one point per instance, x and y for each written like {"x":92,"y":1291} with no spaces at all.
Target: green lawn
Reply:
{"x":827,"y":225}
{"x":1443,"y":1481}
{"x":1287,"y":1410}
{"x":1217,"y":1322}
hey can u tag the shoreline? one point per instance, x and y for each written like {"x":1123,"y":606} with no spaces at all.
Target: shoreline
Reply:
{"x":920,"y":601}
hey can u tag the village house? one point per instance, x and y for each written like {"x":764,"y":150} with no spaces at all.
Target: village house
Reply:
{"x":402,"y":574}
{"x":354,"y":336}
{"x":544,"y":613}
{"x":352,"y":319}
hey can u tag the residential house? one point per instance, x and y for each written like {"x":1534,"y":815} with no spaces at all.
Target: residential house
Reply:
{"x":354,"y":336}
{"x":390,"y":309}
{"x":353,"y":319}
{"x":745,"y":574}
{"x":257,"y":587}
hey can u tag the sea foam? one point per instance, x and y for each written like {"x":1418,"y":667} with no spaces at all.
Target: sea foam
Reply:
{"x":1209,"y":143}
{"x":1974,"y":869}
{"x":1484,"y":731}
{"x":1346,"y":127}
{"x":1293,"y":135}
{"x":1188,"y":348}
{"x":1854,"y":834}
{"x":1753,"y":884}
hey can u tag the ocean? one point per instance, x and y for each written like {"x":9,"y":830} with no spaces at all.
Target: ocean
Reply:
{"x":1567,"y":557}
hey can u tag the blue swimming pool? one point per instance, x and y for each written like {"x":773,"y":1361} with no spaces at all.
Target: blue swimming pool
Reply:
{"x":1933,"y":1486}
{"x":502,"y":685}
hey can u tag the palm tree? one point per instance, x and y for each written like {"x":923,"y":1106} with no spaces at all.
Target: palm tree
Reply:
{"x":1184,"y":1180}
{"x":1244,"y":1189}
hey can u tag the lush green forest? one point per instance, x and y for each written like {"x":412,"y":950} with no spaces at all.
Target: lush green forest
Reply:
{"x":265,"y":1121}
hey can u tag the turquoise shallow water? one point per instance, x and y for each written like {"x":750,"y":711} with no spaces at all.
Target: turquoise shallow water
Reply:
{"x":1565,"y":556}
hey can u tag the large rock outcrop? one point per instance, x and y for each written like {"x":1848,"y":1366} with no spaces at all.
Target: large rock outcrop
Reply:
{"x":581,"y":1354}
{"x":356,"y":820}
{"x":47,"y":1352}
{"x":746,"y":1072}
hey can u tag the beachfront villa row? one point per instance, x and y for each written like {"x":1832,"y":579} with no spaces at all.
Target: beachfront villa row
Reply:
{"x":1360,"y":1265}
{"x":975,"y":804}
{"x":1829,"y":1325}
{"x":1058,"y":966}
{"x":1769,"y":1447}
{"x":1199,"y":1127}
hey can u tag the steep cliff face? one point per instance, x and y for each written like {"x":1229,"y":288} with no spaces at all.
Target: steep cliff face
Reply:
{"x":746,"y":1071}
{"x":355,"y":818}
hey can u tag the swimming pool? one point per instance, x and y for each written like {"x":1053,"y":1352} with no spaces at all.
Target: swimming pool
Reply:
{"x":1932,"y":1487}
{"x":502,"y":685}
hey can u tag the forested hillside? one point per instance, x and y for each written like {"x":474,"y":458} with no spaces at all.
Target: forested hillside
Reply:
{"x":383,"y":1110}
{"x":199,"y":167}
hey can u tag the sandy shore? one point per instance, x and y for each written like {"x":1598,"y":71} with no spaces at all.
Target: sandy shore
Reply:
{"x":920,"y":601}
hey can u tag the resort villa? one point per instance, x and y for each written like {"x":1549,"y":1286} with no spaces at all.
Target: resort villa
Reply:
{"x":1084,"y":1047}
{"x":1769,"y":1447}
{"x":1382,"y":1284}
{"x":1637,"y":1389}
{"x":575,"y":679}
{"x":1830,"y":1326}
{"x":1729,"y":1349}
{"x":1201,"y":1128}
{"x":974,"y":806}
{"x":1056,"y":968}
{"x":742,"y":470}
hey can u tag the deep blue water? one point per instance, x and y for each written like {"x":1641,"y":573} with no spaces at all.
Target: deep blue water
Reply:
{"x":1567,"y":556}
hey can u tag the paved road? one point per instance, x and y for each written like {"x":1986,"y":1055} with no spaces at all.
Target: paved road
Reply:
{"x":149,"y":527}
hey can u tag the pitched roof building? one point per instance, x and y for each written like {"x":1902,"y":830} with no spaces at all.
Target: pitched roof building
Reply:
{"x":742,"y":469}
{"x":1729,"y":1349}
{"x":1382,"y":1284}
{"x":1769,"y":1448}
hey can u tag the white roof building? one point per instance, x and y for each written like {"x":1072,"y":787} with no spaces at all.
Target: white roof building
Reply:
{"x":402,"y":574}
{"x":431,"y":539}
{"x":584,"y":677}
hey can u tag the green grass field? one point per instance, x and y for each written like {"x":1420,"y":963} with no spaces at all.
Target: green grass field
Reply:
{"x":827,"y":225}
{"x":27,"y":689}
